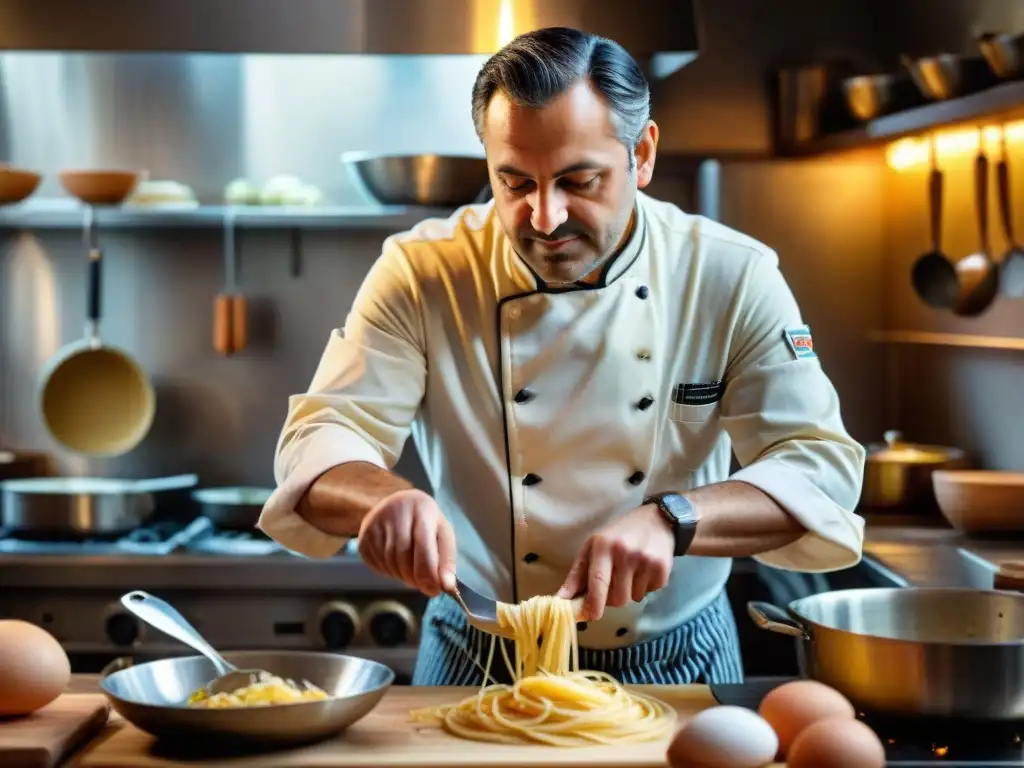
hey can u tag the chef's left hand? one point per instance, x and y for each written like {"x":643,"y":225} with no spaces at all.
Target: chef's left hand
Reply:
{"x":622,"y":562}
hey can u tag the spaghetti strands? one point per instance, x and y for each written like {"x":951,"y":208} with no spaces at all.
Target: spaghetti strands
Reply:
{"x":551,"y":701}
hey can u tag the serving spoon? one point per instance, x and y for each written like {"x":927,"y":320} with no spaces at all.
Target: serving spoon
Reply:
{"x":164,"y":617}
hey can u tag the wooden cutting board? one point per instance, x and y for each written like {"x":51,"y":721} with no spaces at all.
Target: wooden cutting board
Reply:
{"x":386,"y":737}
{"x":44,"y":738}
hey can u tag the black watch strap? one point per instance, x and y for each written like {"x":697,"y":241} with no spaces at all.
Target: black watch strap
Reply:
{"x":681,"y":515}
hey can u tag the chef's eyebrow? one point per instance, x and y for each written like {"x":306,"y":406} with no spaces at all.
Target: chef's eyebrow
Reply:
{"x":583,"y":165}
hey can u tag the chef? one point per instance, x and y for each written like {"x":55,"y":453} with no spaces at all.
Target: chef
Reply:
{"x":576,"y":363}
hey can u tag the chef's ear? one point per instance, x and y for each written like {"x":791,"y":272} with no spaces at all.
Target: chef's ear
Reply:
{"x":645,"y":152}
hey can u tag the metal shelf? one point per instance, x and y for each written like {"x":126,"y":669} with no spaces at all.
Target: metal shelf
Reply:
{"x":1008,"y":343}
{"x":62,"y":214}
{"x":1006,"y":99}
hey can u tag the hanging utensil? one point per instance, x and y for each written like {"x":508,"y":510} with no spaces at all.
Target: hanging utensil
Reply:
{"x":1011,"y":273}
{"x":978,"y":274}
{"x":230,"y":310}
{"x":933,"y":274}
{"x":95,"y":398}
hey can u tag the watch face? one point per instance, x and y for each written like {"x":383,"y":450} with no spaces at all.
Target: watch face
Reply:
{"x":680,"y":508}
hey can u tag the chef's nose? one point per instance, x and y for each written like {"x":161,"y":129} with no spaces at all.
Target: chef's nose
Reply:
{"x":549,"y":212}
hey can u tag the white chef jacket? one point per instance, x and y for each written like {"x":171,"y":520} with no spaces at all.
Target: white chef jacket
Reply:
{"x":542,"y":414}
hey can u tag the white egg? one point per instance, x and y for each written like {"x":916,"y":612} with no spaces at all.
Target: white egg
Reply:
{"x":724,"y":737}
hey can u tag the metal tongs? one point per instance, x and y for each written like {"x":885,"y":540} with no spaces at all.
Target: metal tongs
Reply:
{"x":482,"y":612}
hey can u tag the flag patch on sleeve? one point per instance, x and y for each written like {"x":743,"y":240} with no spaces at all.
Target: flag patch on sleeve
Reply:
{"x":800,"y":342}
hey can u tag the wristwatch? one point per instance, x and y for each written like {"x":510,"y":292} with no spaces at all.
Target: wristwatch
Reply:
{"x":681,"y":515}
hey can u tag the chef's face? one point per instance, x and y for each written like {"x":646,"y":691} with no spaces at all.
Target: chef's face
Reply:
{"x":564,"y":185}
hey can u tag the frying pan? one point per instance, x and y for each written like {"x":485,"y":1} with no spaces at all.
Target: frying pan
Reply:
{"x":152,"y":697}
{"x":232,"y":508}
{"x":82,"y":506}
{"x":95,"y":398}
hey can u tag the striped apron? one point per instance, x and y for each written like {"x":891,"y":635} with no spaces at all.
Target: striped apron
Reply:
{"x":703,"y":650}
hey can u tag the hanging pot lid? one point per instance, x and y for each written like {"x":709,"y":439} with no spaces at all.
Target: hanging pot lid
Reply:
{"x":895,"y":451}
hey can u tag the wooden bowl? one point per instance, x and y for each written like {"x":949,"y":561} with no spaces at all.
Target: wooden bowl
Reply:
{"x":976,"y":501}
{"x":16,"y":184}
{"x":100,"y":187}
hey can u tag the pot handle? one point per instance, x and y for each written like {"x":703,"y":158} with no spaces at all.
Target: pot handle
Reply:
{"x":164,"y":484}
{"x":121,"y":662}
{"x":774,"y":619}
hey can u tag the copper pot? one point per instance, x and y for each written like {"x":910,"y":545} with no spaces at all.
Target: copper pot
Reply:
{"x":898,"y":475}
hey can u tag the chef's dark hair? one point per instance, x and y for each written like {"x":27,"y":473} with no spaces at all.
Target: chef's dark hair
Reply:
{"x":538,"y":66}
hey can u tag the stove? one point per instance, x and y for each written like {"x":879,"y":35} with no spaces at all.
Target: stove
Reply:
{"x":241,"y":589}
{"x":915,"y":741}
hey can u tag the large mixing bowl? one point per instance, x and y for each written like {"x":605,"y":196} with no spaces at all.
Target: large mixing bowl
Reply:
{"x":152,"y":697}
{"x":437,"y":181}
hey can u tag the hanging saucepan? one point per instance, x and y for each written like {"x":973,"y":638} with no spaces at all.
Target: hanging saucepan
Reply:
{"x":898,"y":475}
{"x":82,"y":506}
{"x":233,"y":508}
{"x":95,"y":398}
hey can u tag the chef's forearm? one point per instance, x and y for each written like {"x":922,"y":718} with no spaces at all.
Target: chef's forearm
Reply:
{"x":739,"y":520}
{"x":340,"y":498}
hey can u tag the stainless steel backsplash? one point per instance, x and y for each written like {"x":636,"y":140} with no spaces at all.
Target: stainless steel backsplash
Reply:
{"x":204,"y":120}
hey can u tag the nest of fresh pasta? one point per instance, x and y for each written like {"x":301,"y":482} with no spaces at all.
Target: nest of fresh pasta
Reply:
{"x":551,"y":701}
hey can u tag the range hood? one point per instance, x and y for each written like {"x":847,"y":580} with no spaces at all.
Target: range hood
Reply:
{"x":660,"y":33}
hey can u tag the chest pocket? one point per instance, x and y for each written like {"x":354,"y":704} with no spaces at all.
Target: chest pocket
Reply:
{"x":694,"y":416}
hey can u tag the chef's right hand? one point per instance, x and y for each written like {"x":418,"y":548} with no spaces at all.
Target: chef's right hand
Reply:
{"x":406,"y":537}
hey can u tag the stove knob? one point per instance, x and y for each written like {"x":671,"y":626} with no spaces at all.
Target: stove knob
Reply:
{"x":122,"y":628}
{"x":391,"y":623}
{"x":339,"y":624}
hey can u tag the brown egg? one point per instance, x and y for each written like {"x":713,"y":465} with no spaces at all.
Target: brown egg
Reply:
{"x":33,"y":668}
{"x":837,"y":742}
{"x":792,"y":707}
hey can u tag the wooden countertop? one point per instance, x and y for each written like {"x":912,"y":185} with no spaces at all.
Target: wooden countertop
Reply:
{"x":385,"y":738}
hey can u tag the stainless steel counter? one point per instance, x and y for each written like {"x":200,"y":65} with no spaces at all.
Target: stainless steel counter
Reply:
{"x":921,"y":556}
{"x":278,"y":572}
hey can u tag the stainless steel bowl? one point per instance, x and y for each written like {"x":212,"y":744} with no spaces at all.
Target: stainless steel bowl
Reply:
{"x":871,"y":96}
{"x":1004,"y":53}
{"x":947,"y":75}
{"x":440,"y":181}
{"x":152,"y":697}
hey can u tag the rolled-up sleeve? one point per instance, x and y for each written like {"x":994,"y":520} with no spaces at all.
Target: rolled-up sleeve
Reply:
{"x":783,"y":417}
{"x":360,"y":405}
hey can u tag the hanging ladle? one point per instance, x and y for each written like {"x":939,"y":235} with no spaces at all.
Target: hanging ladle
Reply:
{"x":933,"y":275}
{"x":230,"y":310}
{"x":978,"y":274}
{"x":1011,"y":273}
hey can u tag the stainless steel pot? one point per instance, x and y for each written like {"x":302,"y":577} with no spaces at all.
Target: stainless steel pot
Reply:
{"x":911,"y":652}
{"x":234,"y":509}
{"x":898,"y":475}
{"x":82,"y":506}
{"x":152,"y":696}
